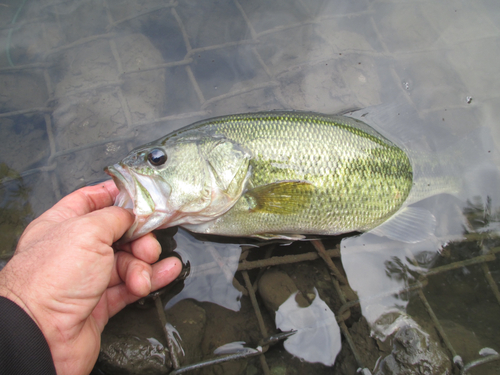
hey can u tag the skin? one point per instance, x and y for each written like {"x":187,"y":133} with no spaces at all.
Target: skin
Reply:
{"x":66,"y":275}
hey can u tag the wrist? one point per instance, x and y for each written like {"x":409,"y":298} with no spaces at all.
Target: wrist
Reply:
{"x":12,"y":289}
{"x":7,"y":290}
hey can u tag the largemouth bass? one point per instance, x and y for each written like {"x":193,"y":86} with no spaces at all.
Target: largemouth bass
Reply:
{"x":267,"y":175}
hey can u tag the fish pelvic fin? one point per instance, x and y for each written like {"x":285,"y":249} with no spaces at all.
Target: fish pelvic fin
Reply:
{"x":275,"y":236}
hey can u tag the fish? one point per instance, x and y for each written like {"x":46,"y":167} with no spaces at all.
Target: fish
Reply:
{"x":271,"y":175}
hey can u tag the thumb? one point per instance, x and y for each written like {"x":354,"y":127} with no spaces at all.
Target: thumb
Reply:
{"x":106,"y":225}
{"x":83,"y":201}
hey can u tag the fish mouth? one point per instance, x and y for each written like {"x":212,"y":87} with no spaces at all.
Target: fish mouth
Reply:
{"x":143,"y":196}
{"x":124,"y":183}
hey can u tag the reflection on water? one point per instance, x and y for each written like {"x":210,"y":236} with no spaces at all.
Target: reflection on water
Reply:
{"x":211,"y":270}
{"x":315,"y":330}
{"x":15,"y":211}
{"x":83,"y":82}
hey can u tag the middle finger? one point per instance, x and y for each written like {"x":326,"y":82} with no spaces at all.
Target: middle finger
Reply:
{"x":146,"y":248}
{"x":135,"y":273}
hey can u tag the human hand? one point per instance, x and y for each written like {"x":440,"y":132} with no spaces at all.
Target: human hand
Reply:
{"x":67,"y":277}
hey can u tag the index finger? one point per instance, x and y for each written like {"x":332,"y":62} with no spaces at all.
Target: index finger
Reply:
{"x":83,"y":201}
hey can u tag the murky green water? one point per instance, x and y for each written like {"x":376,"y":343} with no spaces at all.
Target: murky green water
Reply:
{"x":83,"y":82}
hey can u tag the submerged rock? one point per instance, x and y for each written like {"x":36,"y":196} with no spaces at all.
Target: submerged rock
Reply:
{"x":414,"y":353}
{"x":189,"y":319}
{"x":130,"y":355}
{"x":275,"y":287}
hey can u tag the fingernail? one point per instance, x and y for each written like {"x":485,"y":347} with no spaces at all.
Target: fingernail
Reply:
{"x":146,"y":276}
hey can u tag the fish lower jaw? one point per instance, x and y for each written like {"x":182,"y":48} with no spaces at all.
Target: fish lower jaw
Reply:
{"x":199,"y":227}
{"x":143,"y":224}
{"x":124,"y":200}
{"x":188,"y":220}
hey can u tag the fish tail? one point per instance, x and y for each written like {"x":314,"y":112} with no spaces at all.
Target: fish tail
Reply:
{"x":466,"y":169}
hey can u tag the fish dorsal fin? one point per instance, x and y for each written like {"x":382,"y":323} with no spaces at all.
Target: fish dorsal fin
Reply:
{"x":284,"y":197}
{"x":410,"y":225}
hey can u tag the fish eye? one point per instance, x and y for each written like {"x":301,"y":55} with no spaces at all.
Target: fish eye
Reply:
{"x":157,"y":157}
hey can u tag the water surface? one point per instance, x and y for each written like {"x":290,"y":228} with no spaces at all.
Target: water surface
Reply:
{"x":83,"y":82}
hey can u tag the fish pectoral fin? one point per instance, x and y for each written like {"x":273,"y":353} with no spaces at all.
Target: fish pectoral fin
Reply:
{"x":281,"y":198}
{"x":274,"y":236}
{"x":410,"y":225}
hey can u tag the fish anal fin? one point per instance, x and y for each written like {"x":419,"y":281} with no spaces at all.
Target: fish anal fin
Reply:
{"x":410,"y":225}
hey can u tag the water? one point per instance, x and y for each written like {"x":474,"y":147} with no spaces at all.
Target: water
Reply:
{"x":83,"y":82}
